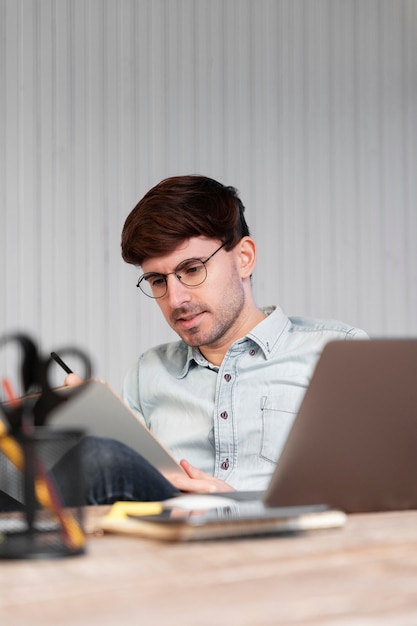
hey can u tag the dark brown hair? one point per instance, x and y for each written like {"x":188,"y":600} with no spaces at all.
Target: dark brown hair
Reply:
{"x":177,"y":209}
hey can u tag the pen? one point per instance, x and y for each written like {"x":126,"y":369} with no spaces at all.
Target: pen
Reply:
{"x":60,"y":362}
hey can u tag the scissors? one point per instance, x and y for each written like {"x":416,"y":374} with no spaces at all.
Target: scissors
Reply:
{"x":35,"y":377}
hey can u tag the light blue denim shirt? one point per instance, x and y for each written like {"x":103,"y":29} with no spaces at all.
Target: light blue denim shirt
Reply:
{"x":232,"y":421}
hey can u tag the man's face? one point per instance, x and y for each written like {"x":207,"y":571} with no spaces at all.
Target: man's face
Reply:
{"x":205,"y":315}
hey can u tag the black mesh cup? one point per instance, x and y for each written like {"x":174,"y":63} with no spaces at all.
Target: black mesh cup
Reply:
{"x":41,"y":505}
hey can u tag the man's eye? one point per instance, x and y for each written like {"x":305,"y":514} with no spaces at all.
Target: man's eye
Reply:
{"x":155,"y":280}
{"x":193,"y":268}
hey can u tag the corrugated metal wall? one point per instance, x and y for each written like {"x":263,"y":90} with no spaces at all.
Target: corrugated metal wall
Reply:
{"x":308,"y":107}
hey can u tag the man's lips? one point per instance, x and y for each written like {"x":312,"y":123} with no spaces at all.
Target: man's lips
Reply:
{"x":190,"y":320}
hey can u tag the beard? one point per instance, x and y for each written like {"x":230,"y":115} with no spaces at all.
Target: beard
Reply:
{"x":215,"y":324}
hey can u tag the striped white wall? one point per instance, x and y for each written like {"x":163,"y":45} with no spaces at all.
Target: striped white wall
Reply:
{"x":308,"y":107}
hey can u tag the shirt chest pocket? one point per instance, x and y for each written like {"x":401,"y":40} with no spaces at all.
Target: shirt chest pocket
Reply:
{"x":278,"y":414}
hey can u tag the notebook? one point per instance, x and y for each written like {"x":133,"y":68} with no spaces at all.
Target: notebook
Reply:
{"x":227,"y":519}
{"x":100,"y":411}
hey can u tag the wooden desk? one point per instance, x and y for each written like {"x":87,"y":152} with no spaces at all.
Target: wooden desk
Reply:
{"x":363,"y":574}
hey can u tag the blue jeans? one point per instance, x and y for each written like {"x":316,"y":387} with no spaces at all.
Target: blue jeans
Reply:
{"x":112,"y":471}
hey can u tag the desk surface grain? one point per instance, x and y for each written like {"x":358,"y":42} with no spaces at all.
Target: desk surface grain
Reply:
{"x":365,"y":573}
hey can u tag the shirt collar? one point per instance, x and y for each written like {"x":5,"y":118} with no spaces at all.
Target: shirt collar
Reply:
{"x":266,"y":335}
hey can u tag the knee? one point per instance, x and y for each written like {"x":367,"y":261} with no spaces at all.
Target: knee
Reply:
{"x":103,"y":451}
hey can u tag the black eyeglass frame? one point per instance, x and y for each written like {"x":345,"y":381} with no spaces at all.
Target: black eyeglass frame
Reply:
{"x":177,"y":274}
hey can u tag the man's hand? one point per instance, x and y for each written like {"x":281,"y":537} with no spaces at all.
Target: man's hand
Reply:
{"x":197,"y":481}
{"x":72,"y":380}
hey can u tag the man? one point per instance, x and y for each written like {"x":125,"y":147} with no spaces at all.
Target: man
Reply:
{"x":223,"y":398}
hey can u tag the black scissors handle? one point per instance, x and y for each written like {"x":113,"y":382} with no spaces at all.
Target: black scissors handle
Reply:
{"x":14,"y":411}
{"x":35,"y":377}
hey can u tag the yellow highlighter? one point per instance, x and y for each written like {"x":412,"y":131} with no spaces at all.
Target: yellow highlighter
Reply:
{"x":117,"y":519}
{"x":121,"y":510}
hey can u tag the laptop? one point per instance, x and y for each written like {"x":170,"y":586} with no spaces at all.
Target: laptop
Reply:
{"x":353,"y":444}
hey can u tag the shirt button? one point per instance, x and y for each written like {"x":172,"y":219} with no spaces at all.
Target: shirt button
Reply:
{"x":252,"y":351}
{"x":225,"y":465}
{"x":224,"y":415}
{"x":227,"y":377}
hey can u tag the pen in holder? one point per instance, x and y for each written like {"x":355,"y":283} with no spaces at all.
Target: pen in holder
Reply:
{"x":41,"y":501}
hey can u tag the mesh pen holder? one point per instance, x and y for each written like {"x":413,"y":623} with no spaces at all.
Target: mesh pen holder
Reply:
{"x":41,"y":494}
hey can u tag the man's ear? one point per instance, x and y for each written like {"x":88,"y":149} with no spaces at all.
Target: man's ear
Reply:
{"x":246,"y":249}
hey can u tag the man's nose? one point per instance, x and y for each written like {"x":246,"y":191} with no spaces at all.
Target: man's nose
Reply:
{"x":177,"y":292}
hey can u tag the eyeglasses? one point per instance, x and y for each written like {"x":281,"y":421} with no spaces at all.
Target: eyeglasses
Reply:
{"x":191,"y":273}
